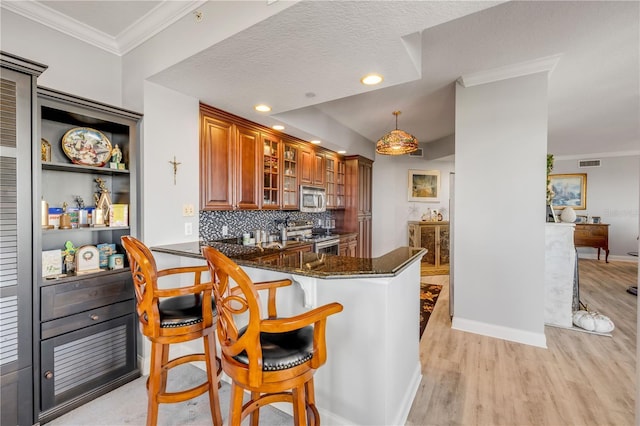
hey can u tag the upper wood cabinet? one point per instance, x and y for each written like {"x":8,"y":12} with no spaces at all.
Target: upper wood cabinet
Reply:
{"x":229,"y":162}
{"x":312,"y":166}
{"x":272,"y":171}
{"x":244,"y":165}
{"x":247,"y":168}
{"x":334,"y":181}
{"x":306,"y":165}
{"x":216,"y":162}
{"x":290,"y":175}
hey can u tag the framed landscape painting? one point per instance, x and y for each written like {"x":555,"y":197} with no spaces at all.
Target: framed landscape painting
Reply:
{"x":569,"y":190}
{"x":424,"y":185}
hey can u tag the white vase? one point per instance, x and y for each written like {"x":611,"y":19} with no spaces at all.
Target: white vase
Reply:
{"x":568,"y":215}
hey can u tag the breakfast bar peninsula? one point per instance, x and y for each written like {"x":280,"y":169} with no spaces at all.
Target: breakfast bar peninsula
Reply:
{"x":373,"y":361}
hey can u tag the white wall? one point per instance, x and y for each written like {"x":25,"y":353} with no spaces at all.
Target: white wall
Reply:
{"x":391,"y":208}
{"x":501,"y":147}
{"x":75,"y":67}
{"x":170,"y":129}
{"x":612,"y":194}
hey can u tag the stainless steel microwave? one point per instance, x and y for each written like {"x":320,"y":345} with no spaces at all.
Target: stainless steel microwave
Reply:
{"x":313,"y":199}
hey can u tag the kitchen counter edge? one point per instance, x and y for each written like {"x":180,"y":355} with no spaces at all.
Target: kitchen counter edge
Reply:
{"x":387,"y":265}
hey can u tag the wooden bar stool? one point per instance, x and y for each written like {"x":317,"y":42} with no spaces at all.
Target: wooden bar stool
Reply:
{"x":174,"y":315}
{"x":273,"y":358}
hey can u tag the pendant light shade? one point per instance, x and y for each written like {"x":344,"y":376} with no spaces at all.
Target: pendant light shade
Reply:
{"x":396,"y":142}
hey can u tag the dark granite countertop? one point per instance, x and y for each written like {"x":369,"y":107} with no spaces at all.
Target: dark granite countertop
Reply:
{"x":308,"y":264}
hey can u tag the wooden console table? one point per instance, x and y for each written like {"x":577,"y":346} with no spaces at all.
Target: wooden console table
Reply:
{"x":594,"y":235}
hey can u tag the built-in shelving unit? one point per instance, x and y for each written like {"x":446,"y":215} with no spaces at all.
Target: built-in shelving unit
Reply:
{"x":84,"y":324}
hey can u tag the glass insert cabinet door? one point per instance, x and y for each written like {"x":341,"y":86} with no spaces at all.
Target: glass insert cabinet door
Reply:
{"x":330,"y":181}
{"x":290,"y":179}
{"x":271,"y":163}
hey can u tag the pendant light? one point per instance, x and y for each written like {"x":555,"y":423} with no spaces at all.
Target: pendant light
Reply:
{"x":396,"y":142}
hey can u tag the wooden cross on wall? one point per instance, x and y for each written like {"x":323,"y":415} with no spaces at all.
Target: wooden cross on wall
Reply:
{"x":175,"y":164}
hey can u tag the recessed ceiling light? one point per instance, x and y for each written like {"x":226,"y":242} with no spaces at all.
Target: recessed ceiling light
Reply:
{"x":342,"y":151}
{"x":316,"y":142}
{"x":262,"y":108}
{"x":277,"y":127}
{"x":371,"y":79}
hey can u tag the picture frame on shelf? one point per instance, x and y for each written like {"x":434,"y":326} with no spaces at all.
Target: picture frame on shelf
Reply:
{"x":51,"y":263}
{"x":581,"y":218}
{"x":551,"y":215}
{"x":87,"y":260}
{"x":569,"y":190}
{"x":424,"y":185}
{"x":596,"y":220}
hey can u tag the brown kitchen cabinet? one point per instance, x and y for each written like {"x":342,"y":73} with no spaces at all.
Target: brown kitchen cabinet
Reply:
{"x":312,"y":166}
{"x":594,"y":235}
{"x":229,"y":162}
{"x":358,"y":214}
{"x":217,"y":166}
{"x":348,"y":245}
{"x":334,"y":181}
{"x":290,"y":179}
{"x":434,"y":236}
{"x":272,"y":171}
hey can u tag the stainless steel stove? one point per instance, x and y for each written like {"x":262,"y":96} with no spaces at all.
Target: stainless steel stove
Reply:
{"x":323,"y":241}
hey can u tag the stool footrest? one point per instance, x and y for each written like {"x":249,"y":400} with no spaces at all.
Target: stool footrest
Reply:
{"x":170,"y":397}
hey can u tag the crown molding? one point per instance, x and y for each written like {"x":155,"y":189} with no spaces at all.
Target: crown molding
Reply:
{"x":51,"y":18}
{"x":546,"y":64}
{"x":156,"y":20}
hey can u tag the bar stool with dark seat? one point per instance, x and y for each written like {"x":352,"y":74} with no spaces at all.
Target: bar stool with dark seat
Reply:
{"x":273,"y":358}
{"x":174,"y":315}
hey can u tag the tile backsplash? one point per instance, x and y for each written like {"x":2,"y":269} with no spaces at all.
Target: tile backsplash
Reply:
{"x":238,"y":222}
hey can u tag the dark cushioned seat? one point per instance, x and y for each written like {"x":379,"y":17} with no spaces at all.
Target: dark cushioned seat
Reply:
{"x":282,"y":350}
{"x":181,"y":311}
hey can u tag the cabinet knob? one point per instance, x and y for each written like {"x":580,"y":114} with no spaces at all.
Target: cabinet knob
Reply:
{"x":94,"y":317}
{"x":48,"y":375}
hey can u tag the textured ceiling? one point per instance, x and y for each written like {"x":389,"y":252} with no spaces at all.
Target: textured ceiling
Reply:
{"x":306,"y":62}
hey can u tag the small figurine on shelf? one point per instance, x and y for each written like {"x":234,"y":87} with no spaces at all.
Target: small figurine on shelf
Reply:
{"x":116,"y":158}
{"x":79,"y":201}
{"x":65,"y":218}
{"x":69,"y":257}
{"x":103,"y":204}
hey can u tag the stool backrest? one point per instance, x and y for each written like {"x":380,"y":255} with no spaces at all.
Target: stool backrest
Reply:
{"x":236,"y":296}
{"x":145,"y":278}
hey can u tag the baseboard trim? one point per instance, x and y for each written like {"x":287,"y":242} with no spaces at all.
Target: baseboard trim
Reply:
{"x":500,"y":332}
{"x":616,"y":257}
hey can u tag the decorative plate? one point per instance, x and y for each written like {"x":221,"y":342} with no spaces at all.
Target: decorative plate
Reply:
{"x":86,"y":146}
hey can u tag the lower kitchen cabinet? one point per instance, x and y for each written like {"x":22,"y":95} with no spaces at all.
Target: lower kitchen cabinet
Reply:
{"x":87,"y":340}
{"x":348,"y":245}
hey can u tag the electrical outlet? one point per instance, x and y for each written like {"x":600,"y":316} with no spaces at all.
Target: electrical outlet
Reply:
{"x":188,"y":228}
{"x":187,"y":210}
{"x":225,"y":230}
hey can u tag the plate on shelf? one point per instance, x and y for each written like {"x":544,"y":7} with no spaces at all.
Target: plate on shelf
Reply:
{"x":86,"y":146}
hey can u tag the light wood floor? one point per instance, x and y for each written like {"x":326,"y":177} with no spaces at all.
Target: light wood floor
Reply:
{"x":581,"y":379}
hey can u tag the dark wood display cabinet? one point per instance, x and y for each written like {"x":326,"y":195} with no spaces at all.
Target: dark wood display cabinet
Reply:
{"x":84,"y":324}
{"x":17,"y":141}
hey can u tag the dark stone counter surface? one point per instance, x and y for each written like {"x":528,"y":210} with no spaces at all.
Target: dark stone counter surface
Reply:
{"x":288,"y":260}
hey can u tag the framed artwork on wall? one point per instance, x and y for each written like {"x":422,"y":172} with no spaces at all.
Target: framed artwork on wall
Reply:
{"x":424,"y":185}
{"x":569,"y":190}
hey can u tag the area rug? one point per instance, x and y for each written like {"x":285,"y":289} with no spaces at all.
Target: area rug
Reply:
{"x":428,"y":296}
